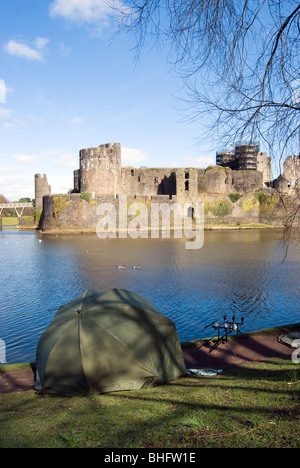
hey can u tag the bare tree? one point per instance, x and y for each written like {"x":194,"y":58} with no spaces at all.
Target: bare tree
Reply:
{"x":239,"y":59}
{"x":240,"y":62}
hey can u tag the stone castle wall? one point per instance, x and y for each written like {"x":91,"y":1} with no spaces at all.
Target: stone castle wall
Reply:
{"x":229,"y":196}
{"x":71,"y":212}
{"x":148,"y":182}
{"x":100,"y":170}
{"x":288,"y":182}
{"x":264,"y":166}
{"x":42,"y":188}
{"x":246,"y":157}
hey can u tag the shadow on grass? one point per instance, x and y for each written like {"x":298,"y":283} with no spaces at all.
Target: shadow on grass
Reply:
{"x":250,"y":404}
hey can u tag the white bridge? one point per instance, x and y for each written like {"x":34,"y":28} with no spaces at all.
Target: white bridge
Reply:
{"x":17,"y":206}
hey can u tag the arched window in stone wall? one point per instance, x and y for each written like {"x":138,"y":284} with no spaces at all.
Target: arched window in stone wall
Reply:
{"x":190,"y":212}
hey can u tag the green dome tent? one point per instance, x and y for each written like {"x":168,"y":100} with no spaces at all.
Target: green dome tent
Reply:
{"x":106,"y":341}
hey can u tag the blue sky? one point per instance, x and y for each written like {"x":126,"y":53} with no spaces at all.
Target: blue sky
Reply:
{"x":67,"y":82}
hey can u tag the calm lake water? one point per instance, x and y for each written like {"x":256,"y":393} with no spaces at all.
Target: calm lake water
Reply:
{"x":235,"y":272}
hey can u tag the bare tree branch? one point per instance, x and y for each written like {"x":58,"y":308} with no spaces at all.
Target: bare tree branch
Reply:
{"x":239,"y":61}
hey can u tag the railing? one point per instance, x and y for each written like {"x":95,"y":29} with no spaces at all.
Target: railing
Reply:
{"x":15,"y":206}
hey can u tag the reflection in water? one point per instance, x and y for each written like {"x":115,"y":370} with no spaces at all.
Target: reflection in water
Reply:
{"x":236,"y":272}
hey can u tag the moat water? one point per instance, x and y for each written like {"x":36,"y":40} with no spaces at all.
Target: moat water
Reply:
{"x":235,"y":272}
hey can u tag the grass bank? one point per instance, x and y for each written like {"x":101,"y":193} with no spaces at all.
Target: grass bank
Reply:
{"x":14,"y":221}
{"x":10,"y":221}
{"x":207,"y":227}
{"x":253,"y":405}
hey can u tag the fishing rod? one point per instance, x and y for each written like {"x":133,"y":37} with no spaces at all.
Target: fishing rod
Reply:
{"x":229,"y":327}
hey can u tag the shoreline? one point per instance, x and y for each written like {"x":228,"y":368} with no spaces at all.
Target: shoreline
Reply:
{"x":184,"y":344}
{"x":209,"y":227}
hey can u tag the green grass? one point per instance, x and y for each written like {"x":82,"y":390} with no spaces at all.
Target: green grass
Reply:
{"x":254,"y":405}
{"x":14,"y":221}
{"x":10,"y":221}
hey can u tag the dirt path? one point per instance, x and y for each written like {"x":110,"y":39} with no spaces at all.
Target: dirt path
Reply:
{"x":260,"y":347}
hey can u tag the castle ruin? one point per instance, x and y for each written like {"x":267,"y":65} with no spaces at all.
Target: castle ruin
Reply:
{"x":101,"y":173}
{"x":42,"y":189}
{"x":288,"y":182}
{"x":100,"y":170}
{"x":247,"y":157}
{"x":101,"y":178}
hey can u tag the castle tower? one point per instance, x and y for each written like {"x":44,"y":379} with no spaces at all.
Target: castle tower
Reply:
{"x":264,"y":166}
{"x":42,"y":188}
{"x":187,"y":183}
{"x":226,"y":159}
{"x":247,"y":157}
{"x":100,"y":170}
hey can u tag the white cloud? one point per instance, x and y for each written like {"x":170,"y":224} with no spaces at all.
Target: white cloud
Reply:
{"x":67,"y":160}
{"x":8,"y":125}
{"x":47,"y":153}
{"x":131,"y":156}
{"x":6,"y":170}
{"x":17,"y":187}
{"x":9,"y":90}
{"x":5,"y":113}
{"x":16,"y":182}
{"x":35,"y":118}
{"x":20,"y":49}
{"x":2,"y":92}
{"x":201,"y":161}
{"x":93,"y":14}
{"x":80,"y":11}
{"x":25,"y":158}
{"x":15,"y":122}
{"x":65,"y":50}
{"x":41,"y":42}
{"x":76,"y":120}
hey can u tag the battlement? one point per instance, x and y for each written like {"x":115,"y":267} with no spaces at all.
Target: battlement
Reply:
{"x":40,"y":177}
{"x":100,"y":169}
{"x":42,"y":188}
{"x":102,"y":151}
